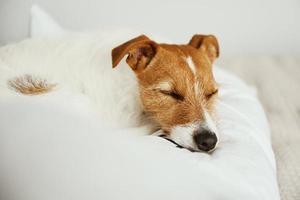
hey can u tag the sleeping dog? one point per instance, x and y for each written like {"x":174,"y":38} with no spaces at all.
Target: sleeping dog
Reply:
{"x":175,"y":87}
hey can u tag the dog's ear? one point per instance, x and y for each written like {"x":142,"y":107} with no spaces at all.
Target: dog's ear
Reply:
{"x":207,"y":44}
{"x":140,"y":52}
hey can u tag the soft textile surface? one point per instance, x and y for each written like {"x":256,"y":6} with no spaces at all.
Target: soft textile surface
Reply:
{"x":281,"y":99}
{"x":42,"y":24}
{"x":51,"y":150}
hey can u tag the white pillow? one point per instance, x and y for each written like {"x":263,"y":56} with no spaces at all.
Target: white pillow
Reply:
{"x":43,"y":25}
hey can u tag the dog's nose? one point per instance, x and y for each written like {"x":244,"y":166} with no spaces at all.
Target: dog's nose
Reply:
{"x":205,"y":139}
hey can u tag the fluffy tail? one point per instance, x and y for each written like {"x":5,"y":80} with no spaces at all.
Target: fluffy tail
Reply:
{"x":30,"y":85}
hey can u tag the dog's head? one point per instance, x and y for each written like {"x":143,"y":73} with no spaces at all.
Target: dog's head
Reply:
{"x":177,"y":87}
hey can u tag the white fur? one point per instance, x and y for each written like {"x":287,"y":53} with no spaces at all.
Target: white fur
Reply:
{"x":209,"y":123}
{"x":165,"y":86}
{"x":82,"y":64}
{"x":183,"y":134}
{"x":197,"y":88}
{"x":191,"y":64}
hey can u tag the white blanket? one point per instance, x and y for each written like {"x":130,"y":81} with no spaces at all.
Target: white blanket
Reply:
{"x":53,"y":150}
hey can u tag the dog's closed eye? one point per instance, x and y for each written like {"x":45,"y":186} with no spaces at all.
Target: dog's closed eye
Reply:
{"x":208,"y":96}
{"x":173,"y":94}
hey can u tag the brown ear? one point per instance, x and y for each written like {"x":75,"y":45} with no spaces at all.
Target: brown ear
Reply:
{"x":206,"y":43}
{"x":140,"y":52}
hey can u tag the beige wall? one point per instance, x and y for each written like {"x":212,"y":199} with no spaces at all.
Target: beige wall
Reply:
{"x":243,"y":27}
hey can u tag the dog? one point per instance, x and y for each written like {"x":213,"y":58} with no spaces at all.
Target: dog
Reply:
{"x":175,"y":90}
{"x":176,"y":87}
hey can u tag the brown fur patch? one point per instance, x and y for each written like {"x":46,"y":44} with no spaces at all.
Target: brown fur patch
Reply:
{"x":30,"y":85}
{"x":190,"y":92}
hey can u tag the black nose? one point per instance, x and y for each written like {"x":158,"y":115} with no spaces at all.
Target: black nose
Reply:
{"x":205,"y":139}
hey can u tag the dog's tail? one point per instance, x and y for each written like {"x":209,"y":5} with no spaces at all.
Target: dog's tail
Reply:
{"x":30,"y":85}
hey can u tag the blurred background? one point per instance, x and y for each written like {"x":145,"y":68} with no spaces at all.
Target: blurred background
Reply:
{"x":252,"y":27}
{"x":259,"y":41}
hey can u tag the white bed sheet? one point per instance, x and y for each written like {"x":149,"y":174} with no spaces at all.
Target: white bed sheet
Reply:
{"x":50,"y":150}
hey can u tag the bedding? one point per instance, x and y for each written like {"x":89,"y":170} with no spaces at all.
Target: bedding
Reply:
{"x":281,"y":103}
{"x":43,"y":25}
{"x":51,"y":150}
{"x":56,"y":146}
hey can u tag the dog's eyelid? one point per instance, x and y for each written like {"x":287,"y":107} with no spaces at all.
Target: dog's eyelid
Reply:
{"x":164,"y":85}
{"x":212,"y":93}
{"x":173,"y":94}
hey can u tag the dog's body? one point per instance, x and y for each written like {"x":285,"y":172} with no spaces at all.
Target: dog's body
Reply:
{"x":82,"y":64}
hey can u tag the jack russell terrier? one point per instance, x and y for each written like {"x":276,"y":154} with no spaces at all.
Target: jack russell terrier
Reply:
{"x":176,"y":87}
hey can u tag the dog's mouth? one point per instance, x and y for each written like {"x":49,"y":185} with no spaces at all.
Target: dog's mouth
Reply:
{"x":176,"y":144}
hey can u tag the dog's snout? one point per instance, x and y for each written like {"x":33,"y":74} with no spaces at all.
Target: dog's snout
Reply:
{"x":205,"y":139}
